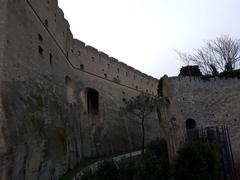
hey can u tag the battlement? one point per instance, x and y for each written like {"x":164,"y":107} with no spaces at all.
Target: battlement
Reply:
{"x":85,"y":57}
{"x":196,"y":83}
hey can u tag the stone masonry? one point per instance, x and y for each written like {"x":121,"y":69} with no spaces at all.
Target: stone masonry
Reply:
{"x":59,"y":98}
{"x":209,"y":103}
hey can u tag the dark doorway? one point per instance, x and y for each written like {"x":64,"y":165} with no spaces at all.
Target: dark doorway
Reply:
{"x":190,"y":124}
{"x":93,"y":101}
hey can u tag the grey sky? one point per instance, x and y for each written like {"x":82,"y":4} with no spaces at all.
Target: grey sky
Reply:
{"x":145,"y":33}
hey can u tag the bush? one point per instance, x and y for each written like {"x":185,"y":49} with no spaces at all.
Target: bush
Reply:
{"x":153,"y":166}
{"x":158,"y":148}
{"x":197,"y":160}
{"x":128,"y":169}
{"x":190,"y":71}
{"x":230,"y":74}
{"x":106,"y":171}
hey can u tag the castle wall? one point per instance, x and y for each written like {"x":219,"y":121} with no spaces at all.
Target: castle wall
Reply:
{"x":2,"y":48}
{"x":209,"y":103}
{"x":42,"y":132}
{"x":82,"y":55}
{"x":46,"y":126}
{"x":111,"y":131}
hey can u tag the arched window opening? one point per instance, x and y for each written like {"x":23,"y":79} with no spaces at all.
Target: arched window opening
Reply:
{"x":105,"y":75}
{"x":50,"y":58}
{"x":69,"y":90}
{"x":40,"y":50}
{"x":46,"y":22}
{"x":82,"y":67}
{"x":40,"y":37}
{"x":190,"y":124}
{"x":92,"y":101}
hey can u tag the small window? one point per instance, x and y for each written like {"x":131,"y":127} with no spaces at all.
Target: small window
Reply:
{"x":50,"y":58}
{"x":147,"y":90}
{"x":40,"y":37}
{"x":190,"y":124}
{"x":118,"y":70}
{"x":124,"y":100}
{"x":136,"y":87}
{"x":46,"y":22}
{"x":105,"y":75}
{"x":82,"y":67}
{"x":126,"y":73}
{"x":40,"y":50}
{"x":93,"y":59}
{"x":108,"y":66}
{"x":117,"y":77}
{"x":79,"y":53}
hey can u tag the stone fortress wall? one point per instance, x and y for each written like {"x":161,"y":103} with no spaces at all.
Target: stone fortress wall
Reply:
{"x":48,"y":85}
{"x":86,"y":58}
{"x":209,"y":103}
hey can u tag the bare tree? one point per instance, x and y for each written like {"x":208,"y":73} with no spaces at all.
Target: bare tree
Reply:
{"x":221,"y":54}
{"x":141,"y":107}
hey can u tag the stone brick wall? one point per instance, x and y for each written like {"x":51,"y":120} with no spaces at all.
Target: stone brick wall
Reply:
{"x":209,"y":103}
{"x":44,"y":125}
{"x":85,"y":57}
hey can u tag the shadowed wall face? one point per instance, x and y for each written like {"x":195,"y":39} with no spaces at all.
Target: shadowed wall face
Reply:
{"x":52,"y":111}
{"x":198,"y":103}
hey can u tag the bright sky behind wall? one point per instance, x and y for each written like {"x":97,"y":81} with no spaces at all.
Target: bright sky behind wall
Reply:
{"x":145,"y":33}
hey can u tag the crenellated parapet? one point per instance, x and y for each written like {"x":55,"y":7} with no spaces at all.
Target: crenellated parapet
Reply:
{"x":195,"y":83}
{"x":89,"y":59}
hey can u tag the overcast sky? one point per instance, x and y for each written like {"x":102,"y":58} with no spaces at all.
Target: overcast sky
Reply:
{"x":145,"y":33}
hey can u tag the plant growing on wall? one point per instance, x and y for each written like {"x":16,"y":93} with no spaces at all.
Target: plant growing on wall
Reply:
{"x":141,"y":107}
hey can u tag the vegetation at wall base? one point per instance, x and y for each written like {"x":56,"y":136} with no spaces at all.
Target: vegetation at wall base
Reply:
{"x":152,"y":166}
{"x":197,"y":160}
{"x":72,"y":172}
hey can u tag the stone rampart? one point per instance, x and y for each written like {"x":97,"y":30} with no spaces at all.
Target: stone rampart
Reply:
{"x":88,"y":58}
{"x":212,"y":102}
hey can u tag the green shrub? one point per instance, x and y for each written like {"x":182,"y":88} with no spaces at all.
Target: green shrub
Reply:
{"x":190,"y":71}
{"x":158,"y":148}
{"x":128,"y":169}
{"x":197,"y":161}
